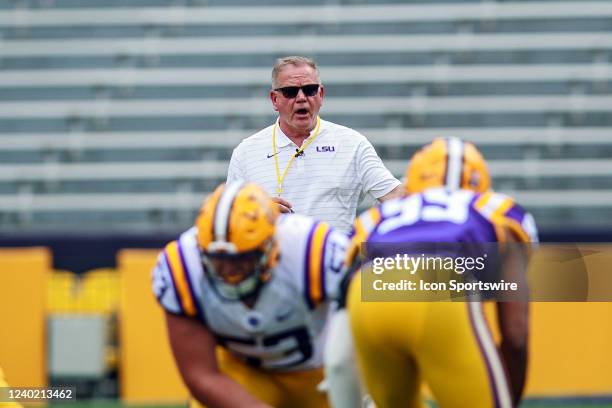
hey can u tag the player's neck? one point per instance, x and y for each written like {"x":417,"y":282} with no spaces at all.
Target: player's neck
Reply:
{"x":250,"y":301}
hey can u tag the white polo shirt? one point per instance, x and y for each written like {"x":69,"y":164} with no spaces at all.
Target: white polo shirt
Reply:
{"x":327,"y":182}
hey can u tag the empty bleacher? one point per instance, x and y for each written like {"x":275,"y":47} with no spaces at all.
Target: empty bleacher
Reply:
{"x":124,"y":117}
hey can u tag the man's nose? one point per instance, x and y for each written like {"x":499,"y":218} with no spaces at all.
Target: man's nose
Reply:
{"x":300,"y":95}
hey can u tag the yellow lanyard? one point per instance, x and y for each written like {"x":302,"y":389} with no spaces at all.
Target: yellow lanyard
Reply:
{"x":280,"y":178}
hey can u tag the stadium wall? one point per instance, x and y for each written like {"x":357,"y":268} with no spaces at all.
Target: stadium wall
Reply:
{"x":23,"y":288}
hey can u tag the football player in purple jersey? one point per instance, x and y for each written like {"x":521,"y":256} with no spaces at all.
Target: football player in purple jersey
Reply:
{"x":400,"y":345}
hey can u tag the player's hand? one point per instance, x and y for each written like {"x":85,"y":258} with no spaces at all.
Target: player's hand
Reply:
{"x":283,"y":205}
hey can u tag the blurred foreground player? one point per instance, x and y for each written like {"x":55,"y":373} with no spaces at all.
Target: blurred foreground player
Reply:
{"x":445,"y":344}
{"x":245,"y":293}
{"x":3,"y":384}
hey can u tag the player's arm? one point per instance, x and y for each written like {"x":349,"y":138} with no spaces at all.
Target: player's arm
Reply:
{"x":513,"y":316}
{"x":362,"y":228}
{"x":193,"y":347}
{"x":343,"y":385}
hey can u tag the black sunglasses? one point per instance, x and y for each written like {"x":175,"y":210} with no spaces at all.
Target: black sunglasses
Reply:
{"x":291,"y":92}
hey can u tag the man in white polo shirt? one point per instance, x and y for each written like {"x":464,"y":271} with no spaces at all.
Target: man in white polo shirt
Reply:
{"x":311,"y":166}
{"x":314,"y":167}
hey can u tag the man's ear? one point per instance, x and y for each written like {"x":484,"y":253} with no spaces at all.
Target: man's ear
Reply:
{"x":322,"y":91}
{"x":274,"y":99}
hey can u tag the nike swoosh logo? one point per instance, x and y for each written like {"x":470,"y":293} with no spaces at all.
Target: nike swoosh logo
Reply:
{"x":272,"y":155}
{"x":284,"y":316}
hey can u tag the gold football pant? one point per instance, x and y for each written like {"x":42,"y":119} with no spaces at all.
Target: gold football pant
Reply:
{"x":295,"y":389}
{"x":445,"y":344}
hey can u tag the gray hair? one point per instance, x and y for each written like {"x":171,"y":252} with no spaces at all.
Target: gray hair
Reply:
{"x":292,"y":60}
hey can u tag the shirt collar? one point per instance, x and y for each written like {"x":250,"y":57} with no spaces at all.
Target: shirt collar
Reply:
{"x":281,"y":138}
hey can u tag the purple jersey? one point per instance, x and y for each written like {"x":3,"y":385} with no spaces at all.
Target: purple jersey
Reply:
{"x":438,"y":215}
{"x":410,"y":225}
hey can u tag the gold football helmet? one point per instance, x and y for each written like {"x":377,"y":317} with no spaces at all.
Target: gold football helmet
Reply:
{"x":236,"y":228}
{"x":448,"y":162}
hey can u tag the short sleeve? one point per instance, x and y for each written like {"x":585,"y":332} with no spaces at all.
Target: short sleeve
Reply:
{"x":376,"y":179}
{"x":336,"y":246}
{"x":163,"y":286}
{"x":325,"y":251}
{"x":502,"y":211}
{"x":235,"y":171}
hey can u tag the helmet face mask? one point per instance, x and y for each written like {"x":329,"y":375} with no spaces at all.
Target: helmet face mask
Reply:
{"x":236,"y":276}
{"x":236,"y":238}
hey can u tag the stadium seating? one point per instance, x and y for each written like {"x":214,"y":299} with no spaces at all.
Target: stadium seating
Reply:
{"x":125,"y":116}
